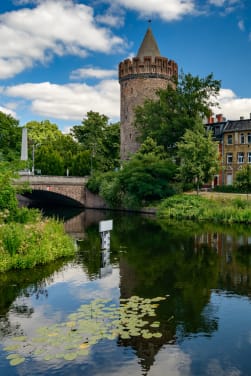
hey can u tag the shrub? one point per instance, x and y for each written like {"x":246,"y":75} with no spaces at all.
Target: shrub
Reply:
{"x":28,"y":245}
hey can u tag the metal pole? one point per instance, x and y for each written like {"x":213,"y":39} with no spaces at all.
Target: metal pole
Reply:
{"x":33,"y":159}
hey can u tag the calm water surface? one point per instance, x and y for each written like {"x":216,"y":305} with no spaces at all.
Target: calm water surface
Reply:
{"x":204,"y":271}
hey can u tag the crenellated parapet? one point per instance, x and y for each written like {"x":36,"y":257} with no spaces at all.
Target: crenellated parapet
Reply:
{"x":148,"y":67}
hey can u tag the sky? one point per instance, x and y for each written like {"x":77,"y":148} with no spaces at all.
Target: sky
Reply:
{"x":59,"y":58}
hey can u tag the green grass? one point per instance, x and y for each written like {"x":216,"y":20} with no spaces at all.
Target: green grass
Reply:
{"x":27,"y":245}
{"x":222,"y":210}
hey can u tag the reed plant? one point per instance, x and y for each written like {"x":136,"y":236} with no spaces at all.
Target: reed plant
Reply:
{"x":27,"y":245}
{"x":199,"y":208}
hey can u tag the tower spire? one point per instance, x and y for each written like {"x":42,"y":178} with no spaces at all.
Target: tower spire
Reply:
{"x":149,"y":45}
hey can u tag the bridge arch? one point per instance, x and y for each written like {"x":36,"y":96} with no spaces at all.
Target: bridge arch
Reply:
{"x":64,"y":190}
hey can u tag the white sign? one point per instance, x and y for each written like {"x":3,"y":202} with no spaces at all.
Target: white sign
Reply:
{"x":105,"y":225}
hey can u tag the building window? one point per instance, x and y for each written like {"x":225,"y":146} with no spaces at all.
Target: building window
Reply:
{"x":249,"y":157}
{"x":242,"y":138}
{"x":229,"y":158}
{"x":249,"y":138}
{"x":230,"y":139}
{"x":240,"y":157}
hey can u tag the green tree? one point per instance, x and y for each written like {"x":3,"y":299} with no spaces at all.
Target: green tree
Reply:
{"x":100,"y":139}
{"x":49,"y":161}
{"x":148,"y":176}
{"x":8,"y":199}
{"x":176,"y":109}
{"x":199,"y":156}
{"x":80,"y":164}
{"x":10,"y":138}
{"x":243,"y":179}
{"x":40,"y":132}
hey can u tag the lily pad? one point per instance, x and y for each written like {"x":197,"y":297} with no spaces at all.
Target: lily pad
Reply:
{"x":70,"y":356}
{"x":17,"y":361}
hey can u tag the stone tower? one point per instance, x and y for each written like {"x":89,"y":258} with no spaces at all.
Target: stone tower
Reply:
{"x":139,"y":80}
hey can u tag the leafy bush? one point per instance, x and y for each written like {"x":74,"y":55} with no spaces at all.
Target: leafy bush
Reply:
{"x":147,"y":177}
{"x":24,"y":246}
{"x":94,"y":183}
{"x":200,"y":208}
{"x":229,"y":189}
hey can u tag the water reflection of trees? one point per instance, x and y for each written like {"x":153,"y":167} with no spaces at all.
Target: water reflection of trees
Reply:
{"x":24,"y":283}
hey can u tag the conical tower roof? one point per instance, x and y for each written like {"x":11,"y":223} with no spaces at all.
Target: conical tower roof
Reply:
{"x":149,"y":46}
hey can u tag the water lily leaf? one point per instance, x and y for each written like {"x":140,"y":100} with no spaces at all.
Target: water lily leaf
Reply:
{"x":70,"y":356}
{"x":11,"y":348}
{"x":48,"y":357}
{"x":17,"y":361}
{"x":83,"y":352}
{"x":59,"y":356}
{"x":147,"y":335}
{"x":155,"y":324}
{"x":12,"y":356}
{"x":53,"y":334}
{"x":20,"y":339}
{"x":98,"y":320}
{"x":125,"y":335}
{"x":158,"y":299}
{"x":157,"y":335}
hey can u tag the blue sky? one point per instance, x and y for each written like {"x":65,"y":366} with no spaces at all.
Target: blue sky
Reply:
{"x":59,"y":58}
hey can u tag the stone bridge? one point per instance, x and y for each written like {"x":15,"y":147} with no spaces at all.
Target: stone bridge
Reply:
{"x":60,"y":190}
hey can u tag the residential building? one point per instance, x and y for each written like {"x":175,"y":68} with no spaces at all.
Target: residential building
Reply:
{"x":234,"y":138}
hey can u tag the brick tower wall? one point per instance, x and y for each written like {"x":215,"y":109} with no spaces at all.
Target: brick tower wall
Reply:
{"x":139,"y":80}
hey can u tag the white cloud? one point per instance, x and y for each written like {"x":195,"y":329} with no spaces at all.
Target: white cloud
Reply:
{"x":69,"y":102}
{"x":171,"y":360}
{"x":214,"y":367}
{"x":7,"y":111}
{"x":241,"y":25}
{"x":233,"y":107}
{"x":93,"y":73}
{"x":53,"y":27}
{"x":221,"y":3}
{"x":167,"y":10}
{"x":218,"y":3}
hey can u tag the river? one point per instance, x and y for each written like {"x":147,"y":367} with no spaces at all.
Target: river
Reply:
{"x":169,"y":298}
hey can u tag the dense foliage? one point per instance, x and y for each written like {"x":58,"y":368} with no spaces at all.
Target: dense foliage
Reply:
{"x":25,"y":246}
{"x":100,"y":139}
{"x":26,"y":239}
{"x":147,"y":177}
{"x":176,"y":109}
{"x":10,"y":138}
{"x":199,"y":156}
{"x":203,"y":209}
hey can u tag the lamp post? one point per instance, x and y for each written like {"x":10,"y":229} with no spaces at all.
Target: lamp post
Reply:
{"x":33,"y":158}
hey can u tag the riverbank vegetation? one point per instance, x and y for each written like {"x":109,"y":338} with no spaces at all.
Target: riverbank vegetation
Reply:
{"x":196,"y":207}
{"x":26,"y":239}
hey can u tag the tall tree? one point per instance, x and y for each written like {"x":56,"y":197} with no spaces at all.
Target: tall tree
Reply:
{"x":40,"y":132}
{"x":176,"y":109}
{"x":243,"y":179}
{"x":199,"y":156}
{"x":10,"y":138}
{"x":100,"y":138}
